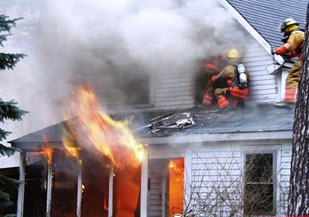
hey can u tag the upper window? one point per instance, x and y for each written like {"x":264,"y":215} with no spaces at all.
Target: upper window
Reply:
{"x":259,"y":195}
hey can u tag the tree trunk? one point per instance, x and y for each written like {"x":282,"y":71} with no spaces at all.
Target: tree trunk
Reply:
{"x":299,"y":180}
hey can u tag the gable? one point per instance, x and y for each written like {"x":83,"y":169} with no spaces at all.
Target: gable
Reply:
{"x":266,"y":15}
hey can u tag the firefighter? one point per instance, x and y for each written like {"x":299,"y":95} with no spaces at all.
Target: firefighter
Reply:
{"x":294,"y":39}
{"x":232,"y":80}
{"x":210,"y":68}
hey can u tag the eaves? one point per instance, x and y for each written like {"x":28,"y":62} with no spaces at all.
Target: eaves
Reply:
{"x":219,"y":137}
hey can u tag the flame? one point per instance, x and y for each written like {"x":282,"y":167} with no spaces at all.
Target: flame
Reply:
{"x":48,"y":154}
{"x":111,"y":138}
{"x":69,"y":145}
{"x":176,"y":183}
{"x":46,"y":151}
{"x":105,"y":204}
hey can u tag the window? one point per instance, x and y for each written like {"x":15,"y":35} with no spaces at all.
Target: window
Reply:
{"x":166,"y":187}
{"x":259,"y":189}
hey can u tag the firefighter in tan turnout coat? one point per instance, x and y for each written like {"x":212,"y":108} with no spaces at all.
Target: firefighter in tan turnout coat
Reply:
{"x":232,"y":80}
{"x":294,"y":39}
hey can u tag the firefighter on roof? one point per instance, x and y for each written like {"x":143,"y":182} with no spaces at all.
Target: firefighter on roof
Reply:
{"x":232,"y":80}
{"x":210,"y":68}
{"x":294,"y":39}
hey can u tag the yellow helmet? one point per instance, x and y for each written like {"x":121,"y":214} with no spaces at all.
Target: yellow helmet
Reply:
{"x":232,"y":53}
{"x":288,"y":25}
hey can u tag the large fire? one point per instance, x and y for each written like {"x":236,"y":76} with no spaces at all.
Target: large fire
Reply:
{"x":111,"y":138}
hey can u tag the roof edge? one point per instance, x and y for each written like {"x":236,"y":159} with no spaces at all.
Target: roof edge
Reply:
{"x":252,"y":31}
{"x":220,"y":137}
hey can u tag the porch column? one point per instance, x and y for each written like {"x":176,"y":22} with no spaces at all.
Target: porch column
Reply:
{"x":21,"y":187}
{"x":144,"y":185}
{"x":164,"y":190}
{"x":49,"y":189}
{"x":110,"y":192}
{"x":79,"y":190}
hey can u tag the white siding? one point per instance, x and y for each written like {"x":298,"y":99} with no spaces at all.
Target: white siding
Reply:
{"x":218,"y":168}
{"x":173,"y":90}
{"x":284,"y":177}
{"x":263,"y":86}
{"x":217,"y":174}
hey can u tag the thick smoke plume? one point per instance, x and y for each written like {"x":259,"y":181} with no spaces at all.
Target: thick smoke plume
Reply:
{"x":104,"y":44}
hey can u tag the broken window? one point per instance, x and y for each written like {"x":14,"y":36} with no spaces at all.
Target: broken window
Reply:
{"x":166,"y":187}
{"x":259,"y":195}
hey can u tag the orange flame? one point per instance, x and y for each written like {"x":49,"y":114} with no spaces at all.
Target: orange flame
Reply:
{"x":69,"y":145}
{"x":111,"y":138}
{"x":46,"y":151}
{"x":176,"y":183}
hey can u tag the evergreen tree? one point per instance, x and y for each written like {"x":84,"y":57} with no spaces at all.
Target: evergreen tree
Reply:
{"x":8,"y":111}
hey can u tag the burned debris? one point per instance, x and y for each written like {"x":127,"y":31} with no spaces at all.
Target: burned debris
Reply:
{"x":169,"y":121}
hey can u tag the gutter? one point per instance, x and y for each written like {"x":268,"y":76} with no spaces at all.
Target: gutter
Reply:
{"x":219,"y":137}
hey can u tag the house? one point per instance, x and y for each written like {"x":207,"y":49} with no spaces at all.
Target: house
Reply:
{"x":221,"y":164}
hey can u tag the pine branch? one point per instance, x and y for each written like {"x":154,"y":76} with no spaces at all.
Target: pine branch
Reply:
{"x":3,"y":38}
{"x":7,"y":151}
{"x":10,"y":215}
{"x":3,"y":134}
{"x":8,"y":60}
{"x":9,"y":110}
{"x":4,"y":196}
{"x":5,"y":26}
{"x":8,"y":183}
{"x":4,"y":204}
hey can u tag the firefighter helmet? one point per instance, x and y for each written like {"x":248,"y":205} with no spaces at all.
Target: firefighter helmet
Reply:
{"x":287,"y":24}
{"x":232,"y":53}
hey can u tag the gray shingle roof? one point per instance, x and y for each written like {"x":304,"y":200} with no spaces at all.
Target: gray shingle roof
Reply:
{"x":266,"y":15}
{"x":252,"y":118}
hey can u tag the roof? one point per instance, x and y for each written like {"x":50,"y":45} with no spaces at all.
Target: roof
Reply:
{"x":266,"y":15}
{"x":252,"y":118}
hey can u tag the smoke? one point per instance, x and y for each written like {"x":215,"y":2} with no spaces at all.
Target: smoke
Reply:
{"x":109,"y":45}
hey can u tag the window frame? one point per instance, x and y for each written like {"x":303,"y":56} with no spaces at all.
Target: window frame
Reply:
{"x":275,"y":174}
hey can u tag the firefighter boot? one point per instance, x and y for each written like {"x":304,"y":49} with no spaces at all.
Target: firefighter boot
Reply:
{"x":290,"y":95}
{"x":284,"y":104}
{"x":223,"y":103}
{"x":289,"y":99}
{"x":207,"y":100}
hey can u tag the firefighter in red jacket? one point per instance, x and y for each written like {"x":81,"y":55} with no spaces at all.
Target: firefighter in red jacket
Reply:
{"x":232,"y":80}
{"x":294,"y":40}
{"x":210,"y":68}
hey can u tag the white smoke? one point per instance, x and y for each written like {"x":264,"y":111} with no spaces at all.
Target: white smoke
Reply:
{"x":98,"y":42}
